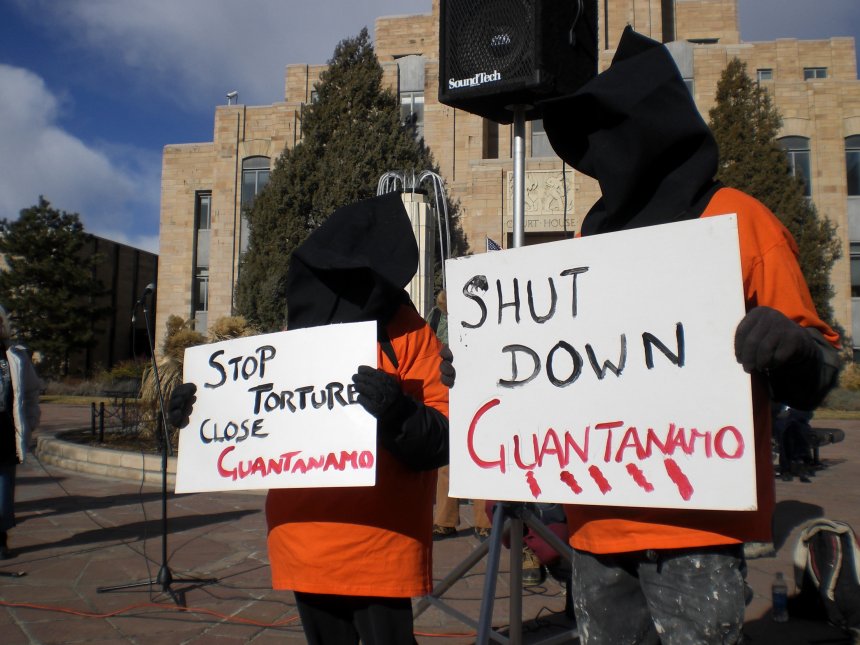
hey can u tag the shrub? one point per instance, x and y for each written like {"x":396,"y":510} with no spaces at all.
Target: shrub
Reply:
{"x":130,"y":369}
{"x":850,"y":377}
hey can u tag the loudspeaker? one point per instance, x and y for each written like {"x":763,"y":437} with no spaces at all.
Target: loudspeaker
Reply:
{"x":494,"y":54}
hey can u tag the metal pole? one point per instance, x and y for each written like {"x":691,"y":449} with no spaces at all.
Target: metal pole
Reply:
{"x":516,"y":600}
{"x":515,"y":606}
{"x":519,"y":175}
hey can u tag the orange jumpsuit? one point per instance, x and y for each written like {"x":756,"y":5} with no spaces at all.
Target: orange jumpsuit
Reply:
{"x":772,"y":278}
{"x":366,"y":541}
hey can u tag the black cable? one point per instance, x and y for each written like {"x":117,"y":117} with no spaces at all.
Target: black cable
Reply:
{"x":571,"y":36}
{"x":564,"y":190}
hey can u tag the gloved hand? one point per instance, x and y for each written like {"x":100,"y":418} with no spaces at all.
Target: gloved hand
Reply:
{"x":378,"y":392}
{"x":447,"y":373}
{"x":767,"y":340}
{"x":181,"y":403}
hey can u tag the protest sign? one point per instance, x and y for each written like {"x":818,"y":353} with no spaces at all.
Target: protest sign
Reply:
{"x":279,"y":411}
{"x":601,"y":370}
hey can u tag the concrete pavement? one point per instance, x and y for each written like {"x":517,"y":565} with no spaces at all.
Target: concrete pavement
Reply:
{"x":80,"y":533}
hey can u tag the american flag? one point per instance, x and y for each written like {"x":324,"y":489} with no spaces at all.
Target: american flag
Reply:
{"x":492,"y":245}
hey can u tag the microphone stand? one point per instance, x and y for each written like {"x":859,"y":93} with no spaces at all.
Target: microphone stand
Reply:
{"x":165,"y":577}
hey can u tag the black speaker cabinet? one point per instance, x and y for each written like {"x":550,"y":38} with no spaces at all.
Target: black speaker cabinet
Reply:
{"x":494,"y":54}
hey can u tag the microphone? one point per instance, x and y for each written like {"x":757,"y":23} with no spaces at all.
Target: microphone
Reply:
{"x":148,"y":289}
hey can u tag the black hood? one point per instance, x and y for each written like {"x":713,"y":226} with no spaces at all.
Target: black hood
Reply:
{"x":354,"y":267}
{"x":636,"y":129}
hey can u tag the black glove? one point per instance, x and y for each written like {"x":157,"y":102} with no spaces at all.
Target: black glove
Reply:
{"x":801,"y":367}
{"x":767,"y":340}
{"x":181,"y":403}
{"x":447,"y":373}
{"x":416,"y":434}
{"x":378,"y":393}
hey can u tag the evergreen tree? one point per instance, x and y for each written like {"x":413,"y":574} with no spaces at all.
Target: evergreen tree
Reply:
{"x":351,"y":136}
{"x":745,"y":124}
{"x":49,"y":286}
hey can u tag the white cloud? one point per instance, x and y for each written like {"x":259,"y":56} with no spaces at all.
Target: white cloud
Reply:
{"x":154,"y":58}
{"x":194,"y":51}
{"x":40,"y":158}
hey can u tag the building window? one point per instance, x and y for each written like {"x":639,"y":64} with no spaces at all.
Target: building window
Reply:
{"x":855,"y":269}
{"x":255,"y":175}
{"x":491,"y":139}
{"x":200,"y":273}
{"x":691,"y":86}
{"x":540,"y":142}
{"x":203,"y":212}
{"x":764,"y":74}
{"x":852,"y":165}
{"x":813,"y":73}
{"x":797,"y":149}
{"x":410,"y":89}
{"x":412,"y":111}
{"x":201,"y":297}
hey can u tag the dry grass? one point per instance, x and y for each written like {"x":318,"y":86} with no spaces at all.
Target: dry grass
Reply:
{"x":849,"y":378}
{"x":144,"y":429}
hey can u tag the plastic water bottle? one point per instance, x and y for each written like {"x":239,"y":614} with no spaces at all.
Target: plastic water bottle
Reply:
{"x":779,"y":592}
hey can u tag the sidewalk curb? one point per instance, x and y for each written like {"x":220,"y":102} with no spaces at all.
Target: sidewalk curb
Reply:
{"x":120,"y":464}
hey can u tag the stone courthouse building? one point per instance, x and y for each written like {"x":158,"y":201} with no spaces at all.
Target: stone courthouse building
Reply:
{"x":813,"y":84}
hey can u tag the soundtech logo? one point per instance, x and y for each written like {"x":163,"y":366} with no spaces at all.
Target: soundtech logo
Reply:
{"x":478,"y":79}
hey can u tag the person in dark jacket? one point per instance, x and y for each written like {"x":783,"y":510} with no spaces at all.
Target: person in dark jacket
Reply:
{"x":677,"y":576}
{"x":354,"y":557}
{"x":649,"y":575}
{"x":19,"y":417}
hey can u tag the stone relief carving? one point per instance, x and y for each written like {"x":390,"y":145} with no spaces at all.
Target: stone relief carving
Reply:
{"x":544,"y":200}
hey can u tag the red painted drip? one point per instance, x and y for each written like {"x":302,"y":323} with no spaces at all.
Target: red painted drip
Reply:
{"x":639,"y":477}
{"x":533,"y":485}
{"x":570,"y":480}
{"x":599,"y":479}
{"x":680,"y":479}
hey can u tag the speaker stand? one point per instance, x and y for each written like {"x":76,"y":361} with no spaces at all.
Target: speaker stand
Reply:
{"x":519,"y":126}
{"x":508,"y":517}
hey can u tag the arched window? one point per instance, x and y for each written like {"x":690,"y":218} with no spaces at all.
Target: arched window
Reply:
{"x":255,"y":175}
{"x":797,"y":149}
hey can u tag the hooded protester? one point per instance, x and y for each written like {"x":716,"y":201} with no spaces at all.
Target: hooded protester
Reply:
{"x":354,"y":557}
{"x":19,"y":417}
{"x":668,"y":575}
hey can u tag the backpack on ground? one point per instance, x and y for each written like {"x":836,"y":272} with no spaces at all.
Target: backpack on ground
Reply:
{"x":827,"y":572}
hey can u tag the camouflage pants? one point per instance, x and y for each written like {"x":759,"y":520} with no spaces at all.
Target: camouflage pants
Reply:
{"x":673,"y":597}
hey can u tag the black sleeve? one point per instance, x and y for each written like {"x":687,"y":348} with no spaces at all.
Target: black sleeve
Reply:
{"x":803,"y":385}
{"x":416,"y":434}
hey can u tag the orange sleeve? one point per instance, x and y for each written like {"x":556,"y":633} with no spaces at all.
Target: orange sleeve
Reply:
{"x":417,"y":350}
{"x":769,"y":261}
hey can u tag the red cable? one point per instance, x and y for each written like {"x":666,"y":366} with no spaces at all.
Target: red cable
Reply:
{"x":194,"y":610}
{"x":151,"y":605}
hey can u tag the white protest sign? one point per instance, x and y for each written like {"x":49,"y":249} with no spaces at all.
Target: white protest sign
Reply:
{"x":279,"y":411}
{"x":601,"y":370}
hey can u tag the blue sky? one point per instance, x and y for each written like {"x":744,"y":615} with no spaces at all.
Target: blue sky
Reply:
{"x":92,"y":90}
